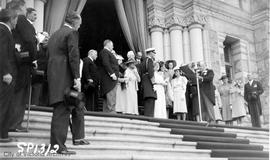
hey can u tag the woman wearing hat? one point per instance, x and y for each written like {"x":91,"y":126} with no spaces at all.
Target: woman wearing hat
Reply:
{"x":132,"y":76}
{"x":224,"y":91}
{"x":179,"y":84}
{"x":159,"y":87}
{"x":121,"y":86}
{"x":170,"y":65}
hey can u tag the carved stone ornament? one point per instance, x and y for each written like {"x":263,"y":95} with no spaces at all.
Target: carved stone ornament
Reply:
{"x":196,"y":18}
{"x":156,"y":22}
{"x":175,"y":21}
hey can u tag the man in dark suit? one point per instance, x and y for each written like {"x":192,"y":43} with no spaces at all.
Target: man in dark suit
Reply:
{"x":252,"y":91}
{"x":147,"y":71}
{"x":191,"y":91}
{"x":90,"y":80}
{"x":207,"y":92}
{"x":8,"y":70}
{"x":63,"y":74}
{"x":109,"y":72}
{"x":24,"y":36}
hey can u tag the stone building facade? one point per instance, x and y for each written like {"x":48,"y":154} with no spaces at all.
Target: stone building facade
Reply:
{"x":232,"y":36}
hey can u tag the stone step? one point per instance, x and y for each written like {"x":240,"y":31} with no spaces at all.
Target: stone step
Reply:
{"x":43,"y":135}
{"x":110,"y":120}
{"x":245,"y":131}
{"x":146,"y":151}
{"x":119,"y":149}
{"x":253,"y":136}
{"x":109,"y":157}
{"x":116,"y":141}
{"x":46,"y":123}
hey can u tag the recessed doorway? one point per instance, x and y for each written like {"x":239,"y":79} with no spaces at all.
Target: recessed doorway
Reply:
{"x":100,"y":22}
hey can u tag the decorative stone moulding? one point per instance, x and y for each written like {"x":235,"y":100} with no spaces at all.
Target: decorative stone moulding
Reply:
{"x":156,"y":22}
{"x":175,"y":21}
{"x":195,"y":18}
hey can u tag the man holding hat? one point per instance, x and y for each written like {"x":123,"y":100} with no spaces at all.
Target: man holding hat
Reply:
{"x":147,"y":70}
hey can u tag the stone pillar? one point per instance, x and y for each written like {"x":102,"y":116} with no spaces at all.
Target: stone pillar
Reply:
{"x":186,"y":45}
{"x":176,"y":38}
{"x":167,"y":46}
{"x":206,"y":48}
{"x":157,"y":41}
{"x":39,"y":6}
{"x":196,"y":42}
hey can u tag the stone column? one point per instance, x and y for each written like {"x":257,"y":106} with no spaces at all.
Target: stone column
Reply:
{"x":167,"y":49}
{"x":186,"y":45}
{"x":196,"y":42}
{"x":157,"y":41}
{"x":206,"y":48}
{"x":39,"y":6}
{"x":176,"y":38}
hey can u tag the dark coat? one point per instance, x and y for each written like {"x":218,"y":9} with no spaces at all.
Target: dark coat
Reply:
{"x":90,"y":71}
{"x":24,"y":34}
{"x":7,"y":53}
{"x":147,"y":71}
{"x":107,"y":66}
{"x":7,"y":66}
{"x":42,"y":61}
{"x":256,"y":88}
{"x":206,"y":86}
{"x":63,"y":63}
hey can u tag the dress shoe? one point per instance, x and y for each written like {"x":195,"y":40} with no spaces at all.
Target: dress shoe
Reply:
{"x":66,"y":152}
{"x":7,"y":140}
{"x":80,"y":142}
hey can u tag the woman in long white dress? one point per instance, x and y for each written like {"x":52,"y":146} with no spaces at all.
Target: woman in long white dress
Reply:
{"x":160,"y":103}
{"x":179,"y":84}
{"x":121,"y":87}
{"x":133,"y":78}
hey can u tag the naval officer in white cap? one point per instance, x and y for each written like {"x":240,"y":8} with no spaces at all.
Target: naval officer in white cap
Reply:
{"x":147,"y":71}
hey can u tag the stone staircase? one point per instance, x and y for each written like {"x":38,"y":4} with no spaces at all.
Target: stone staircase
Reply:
{"x":127,"y":137}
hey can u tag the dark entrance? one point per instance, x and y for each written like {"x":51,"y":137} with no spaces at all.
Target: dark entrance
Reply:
{"x":100,"y":22}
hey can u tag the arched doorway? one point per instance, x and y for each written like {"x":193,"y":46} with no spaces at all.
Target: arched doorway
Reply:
{"x":100,"y":22}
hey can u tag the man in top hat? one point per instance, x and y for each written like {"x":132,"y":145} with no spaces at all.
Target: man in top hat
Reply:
{"x":147,"y":70}
{"x":252,"y":91}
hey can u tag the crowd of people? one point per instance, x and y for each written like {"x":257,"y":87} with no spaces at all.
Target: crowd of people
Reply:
{"x":50,"y":67}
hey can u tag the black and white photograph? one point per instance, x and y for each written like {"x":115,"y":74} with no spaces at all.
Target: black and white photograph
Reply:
{"x":134,"y":79}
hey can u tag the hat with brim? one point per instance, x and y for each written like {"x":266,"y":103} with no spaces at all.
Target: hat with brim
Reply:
{"x":176,"y":68}
{"x":130,"y":61}
{"x":170,"y":61}
{"x":148,"y":50}
{"x":223,"y":77}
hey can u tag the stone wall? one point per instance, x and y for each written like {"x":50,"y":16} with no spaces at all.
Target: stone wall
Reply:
{"x":246,"y":21}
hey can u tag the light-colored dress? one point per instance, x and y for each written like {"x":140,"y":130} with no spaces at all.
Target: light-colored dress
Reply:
{"x":121,"y":97}
{"x":132,"y":88}
{"x":179,"y":85}
{"x":224,"y":91}
{"x":217,"y":106}
{"x":238,"y":103}
{"x":160,"y":102}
